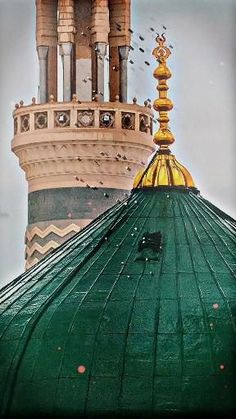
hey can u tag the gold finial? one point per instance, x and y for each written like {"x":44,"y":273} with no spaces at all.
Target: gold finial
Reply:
{"x":163,"y":137}
{"x":164,"y":169}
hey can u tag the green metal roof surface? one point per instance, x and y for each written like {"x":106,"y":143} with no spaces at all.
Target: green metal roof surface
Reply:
{"x":98,"y":326}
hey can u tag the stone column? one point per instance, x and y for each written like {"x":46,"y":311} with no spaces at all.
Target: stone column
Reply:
{"x":83,"y":50}
{"x":43,"y":79}
{"x":46,"y":37}
{"x":66,"y":51}
{"x":101,"y":48}
{"x":124,"y":54}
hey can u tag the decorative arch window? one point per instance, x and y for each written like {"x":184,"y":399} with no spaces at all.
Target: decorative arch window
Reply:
{"x":85,"y":119}
{"x":128,"y":120}
{"x":107,"y":119}
{"x":143,"y":123}
{"x":40,"y":120}
{"x":24,"y":123}
{"x":62,"y":118}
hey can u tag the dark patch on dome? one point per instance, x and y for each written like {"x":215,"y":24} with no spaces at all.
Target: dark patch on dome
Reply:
{"x":150,"y":246}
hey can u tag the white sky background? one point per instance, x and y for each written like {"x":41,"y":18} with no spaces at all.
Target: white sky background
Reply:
{"x":202,"y":33}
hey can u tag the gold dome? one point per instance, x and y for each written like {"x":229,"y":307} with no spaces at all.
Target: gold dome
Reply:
{"x":164,"y":171}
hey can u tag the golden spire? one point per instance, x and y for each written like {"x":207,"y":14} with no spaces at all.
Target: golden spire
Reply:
{"x":164,"y":169}
{"x":163,"y":137}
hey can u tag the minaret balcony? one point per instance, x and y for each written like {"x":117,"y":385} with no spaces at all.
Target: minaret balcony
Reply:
{"x":61,"y":141}
{"x":83,"y":116}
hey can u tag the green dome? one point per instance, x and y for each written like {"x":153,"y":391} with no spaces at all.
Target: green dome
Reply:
{"x":135,"y":314}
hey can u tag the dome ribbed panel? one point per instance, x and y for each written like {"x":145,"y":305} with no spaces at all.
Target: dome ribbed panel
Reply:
{"x":153,"y":335}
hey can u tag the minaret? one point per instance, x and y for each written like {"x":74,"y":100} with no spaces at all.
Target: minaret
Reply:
{"x":80,"y":154}
{"x":164,"y":170}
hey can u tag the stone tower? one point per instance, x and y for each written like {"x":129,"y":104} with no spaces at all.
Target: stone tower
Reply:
{"x":79,"y":154}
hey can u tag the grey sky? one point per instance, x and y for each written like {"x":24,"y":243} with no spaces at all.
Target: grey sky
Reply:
{"x":203,"y":89}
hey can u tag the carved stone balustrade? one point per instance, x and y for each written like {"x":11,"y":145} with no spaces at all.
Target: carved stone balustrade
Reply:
{"x":56,"y":142}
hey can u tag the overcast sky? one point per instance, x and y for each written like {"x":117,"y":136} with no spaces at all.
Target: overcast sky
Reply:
{"x":202,"y":33}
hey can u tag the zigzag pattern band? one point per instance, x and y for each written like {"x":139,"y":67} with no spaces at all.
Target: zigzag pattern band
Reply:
{"x":35,"y":251}
{"x":61,"y":232}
